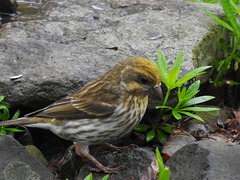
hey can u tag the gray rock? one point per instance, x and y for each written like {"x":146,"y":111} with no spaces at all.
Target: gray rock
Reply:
{"x":73,"y":43}
{"x":205,"y":160}
{"x":16,"y":163}
{"x":135,"y":163}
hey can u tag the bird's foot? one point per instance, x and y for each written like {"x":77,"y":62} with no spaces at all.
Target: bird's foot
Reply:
{"x":119,"y":149}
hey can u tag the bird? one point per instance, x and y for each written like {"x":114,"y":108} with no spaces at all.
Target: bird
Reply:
{"x":104,"y":110}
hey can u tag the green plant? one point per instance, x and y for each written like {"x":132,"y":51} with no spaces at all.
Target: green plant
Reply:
{"x":185,"y":97}
{"x":233,"y":25}
{"x":5,"y":115}
{"x":89,"y":177}
{"x":164,"y":172}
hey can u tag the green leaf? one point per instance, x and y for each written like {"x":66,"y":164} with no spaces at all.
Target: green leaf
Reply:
{"x":189,"y":96}
{"x":192,"y":115}
{"x":142,"y":127}
{"x":2,"y":131}
{"x":165,"y":107}
{"x":167,"y":129}
{"x":1,"y":98}
{"x":14,"y":130}
{"x":5,"y":104}
{"x":174,"y":72}
{"x":230,"y":14}
{"x":16,"y":115}
{"x":234,"y":6}
{"x":150,"y":135}
{"x":6,"y":114}
{"x":182,"y":94}
{"x":163,"y":67}
{"x":159,"y":160}
{"x":89,"y":177}
{"x":165,"y":174}
{"x":190,"y":75}
{"x":161,"y":136}
{"x":197,"y":100}
{"x":218,"y":20}
{"x":3,"y":107}
{"x":194,"y":87}
{"x":105,"y":177}
{"x":176,"y":115}
{"x":200,"y":109}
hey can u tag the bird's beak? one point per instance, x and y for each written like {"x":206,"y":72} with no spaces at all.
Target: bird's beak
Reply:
{"x":158,"y":91}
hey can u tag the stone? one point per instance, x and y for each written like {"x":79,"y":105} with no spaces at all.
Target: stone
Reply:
{"x":71,"y":43}
{"x":204,"y":160}
{"x":37,"y":154}
{"x":17,"y":163}
{"x":135,"y":163}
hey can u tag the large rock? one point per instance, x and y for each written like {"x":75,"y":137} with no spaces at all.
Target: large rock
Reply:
{"x":17,"y":163}
{"x":205,"y":160}
{"x":74,"y":42}
{"x":134,"y":164}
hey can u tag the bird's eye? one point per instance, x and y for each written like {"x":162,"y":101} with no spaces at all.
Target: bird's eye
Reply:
{"x":143,"y":79}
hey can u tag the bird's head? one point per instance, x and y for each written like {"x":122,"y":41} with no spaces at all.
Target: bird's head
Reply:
{"x":138,"y":76}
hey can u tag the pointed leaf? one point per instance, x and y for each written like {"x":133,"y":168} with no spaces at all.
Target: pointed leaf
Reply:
{"x":163,"y":67}
{"x":16,"y":115}
{"x":165,"y":107}
{"x":176,"y":115}
{"x":150,"y":135}
{"x":230,"y":14}
{"x":190,"y":75}
{"x":165,"y":174}
{"x":234,"y":6}
{"x":159,"y":160}
{"x":142,"y":127}
{"x":182,"y":94}
{"x":89,"y":177}
{"x":192,"y":115}
{"x":161,"y":136}
{"x":189,"y":96}
{"x":2,"y":131}
{"x":105,"y":177}
{"x":218,"y":20}
{"x":14,"y":129}
{"x":194,"y":87}
{"x":1,"y":98}
{"x":197,"y":100}
{"x":167,"y":129}
{"x":200,"y":109}
{"x":174,"y":72}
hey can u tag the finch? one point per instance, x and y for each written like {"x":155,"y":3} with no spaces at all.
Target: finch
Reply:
{"x":105,"y":109}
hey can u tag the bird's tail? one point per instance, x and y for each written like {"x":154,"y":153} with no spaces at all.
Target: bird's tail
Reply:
{"x":24,"y":121}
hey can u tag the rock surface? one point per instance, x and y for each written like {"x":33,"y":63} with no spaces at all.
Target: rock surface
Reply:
{"x":17,"y":163}
{"x":205,"y":160}
{"x":73,"y":42}
{"x":135,"y":163}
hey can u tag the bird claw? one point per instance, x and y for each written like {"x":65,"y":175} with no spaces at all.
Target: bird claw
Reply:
{"x":107,"y":169}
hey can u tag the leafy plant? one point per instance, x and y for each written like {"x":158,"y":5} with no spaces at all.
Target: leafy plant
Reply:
{"x":89,"y":177}
{"x":232,"y":24}
{"x":164,"y":172}
{"x":5,"y":115}
{"x":185,"y":97}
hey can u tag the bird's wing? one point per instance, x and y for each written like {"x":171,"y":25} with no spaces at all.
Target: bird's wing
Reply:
{"x":77,"y":108}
